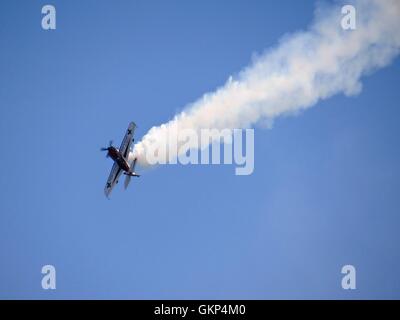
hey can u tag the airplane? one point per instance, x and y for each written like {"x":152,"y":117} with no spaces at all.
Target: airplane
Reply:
{"x":121,"y":162}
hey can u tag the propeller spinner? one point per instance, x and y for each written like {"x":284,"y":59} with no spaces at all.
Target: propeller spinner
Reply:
{"x":107,"y":149}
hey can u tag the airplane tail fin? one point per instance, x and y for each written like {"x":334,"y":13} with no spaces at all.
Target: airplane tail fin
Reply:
{"x":129,"y":175}
{"x":127,"y":180}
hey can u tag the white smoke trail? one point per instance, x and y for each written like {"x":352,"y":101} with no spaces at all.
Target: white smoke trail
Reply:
{"x":303,"y":69}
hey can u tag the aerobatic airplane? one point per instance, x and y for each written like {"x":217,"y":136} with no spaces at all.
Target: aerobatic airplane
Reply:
{"x":121,"y":162}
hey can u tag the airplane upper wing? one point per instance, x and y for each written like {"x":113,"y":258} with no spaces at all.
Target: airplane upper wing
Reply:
{"x":112,"y":179}
{"x":127,"y":141}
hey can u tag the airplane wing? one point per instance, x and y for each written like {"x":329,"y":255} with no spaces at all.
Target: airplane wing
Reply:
{"x":112,"y":179}
{"x":127,"y":141}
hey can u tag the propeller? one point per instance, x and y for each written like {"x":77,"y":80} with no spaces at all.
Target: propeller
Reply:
{"x":106,"y":149}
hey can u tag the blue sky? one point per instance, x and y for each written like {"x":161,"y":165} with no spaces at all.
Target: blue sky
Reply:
{"x":324,"y":193}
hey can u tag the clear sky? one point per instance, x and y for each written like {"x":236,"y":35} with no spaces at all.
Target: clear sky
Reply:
{"x":325,"y":191}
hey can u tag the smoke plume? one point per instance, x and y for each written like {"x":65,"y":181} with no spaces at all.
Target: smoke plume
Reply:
{"x":302,"y":69}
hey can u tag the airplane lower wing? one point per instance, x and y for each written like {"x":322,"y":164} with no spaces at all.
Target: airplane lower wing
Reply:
{"x":112,"y":179}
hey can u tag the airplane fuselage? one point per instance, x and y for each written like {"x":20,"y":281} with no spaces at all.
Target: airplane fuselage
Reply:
{"x":114,"y":154}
